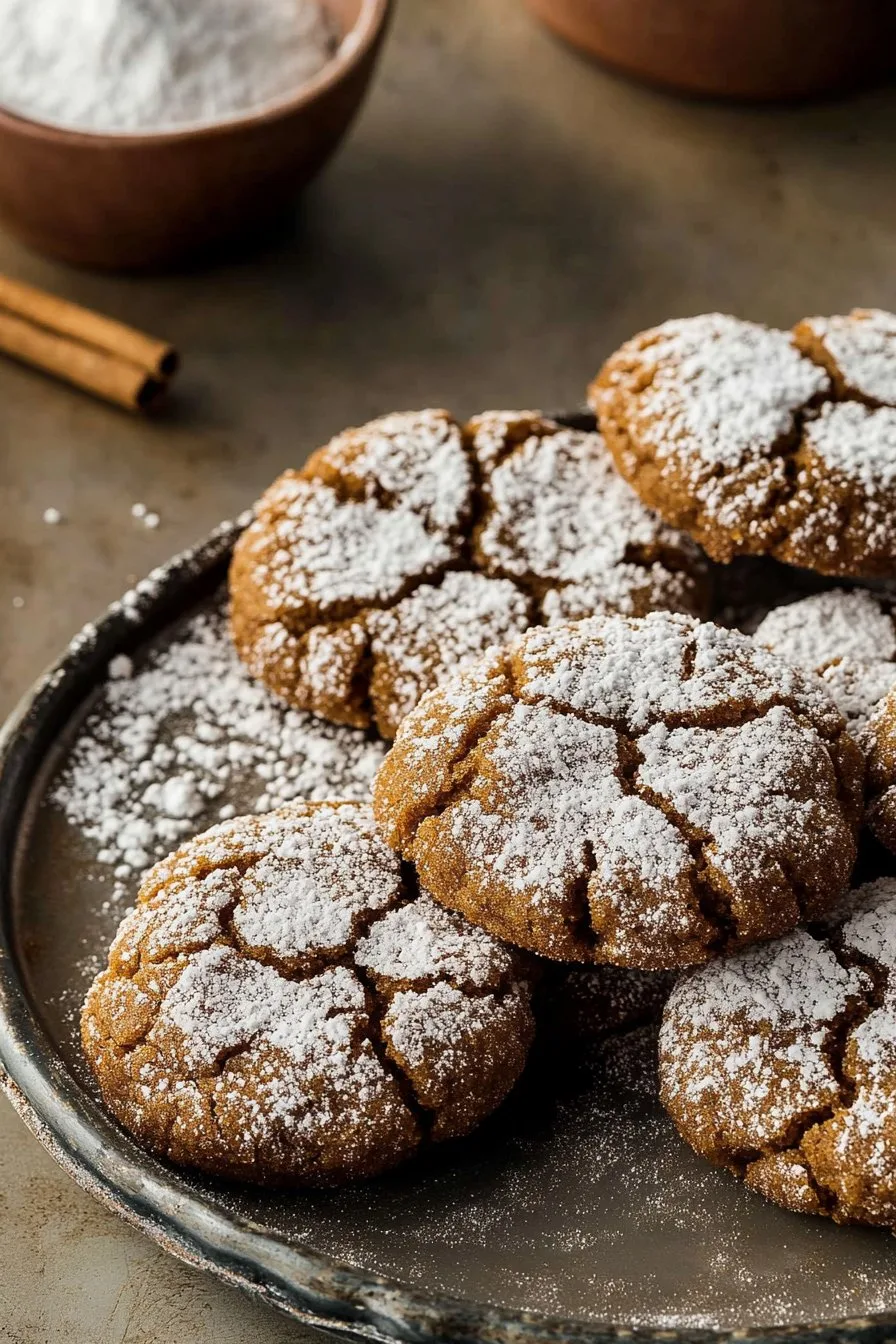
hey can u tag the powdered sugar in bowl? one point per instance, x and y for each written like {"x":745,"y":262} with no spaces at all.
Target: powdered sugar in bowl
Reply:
{"x":187,"y":143}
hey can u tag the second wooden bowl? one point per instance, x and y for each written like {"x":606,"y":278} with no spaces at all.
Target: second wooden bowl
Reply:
{"x":136,"y":202}
{"x":747,"y":49}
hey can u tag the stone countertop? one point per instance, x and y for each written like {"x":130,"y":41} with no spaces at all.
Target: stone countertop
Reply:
{"x":503,"y":215}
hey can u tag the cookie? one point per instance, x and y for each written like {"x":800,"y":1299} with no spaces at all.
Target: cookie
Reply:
{"x":763,"y":442}
{"x":849,"y":639}
{"x":645,"y":792}
{"x":406,"y":547}
{"x":780,"y":1063}
{"x":283,"y":1007}
{"x":881,"y":811}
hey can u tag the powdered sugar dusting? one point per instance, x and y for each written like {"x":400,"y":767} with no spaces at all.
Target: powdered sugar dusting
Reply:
{"x":421,"y":941}
{"x":827,"y":627}
{"x":860,"y":444}
{"x":562,"y":802}
{"x":723,"y":389}
{"x":665,"y":666}
{"x":848,"y":638}
{"x":388,"y":559}
{"x":310,"y":893}
{"x":438,"y":629}
{"x":558,"y":511}
{"x":863,"y":348}
{"x":309,"y":547}
{"x":741,"y":434}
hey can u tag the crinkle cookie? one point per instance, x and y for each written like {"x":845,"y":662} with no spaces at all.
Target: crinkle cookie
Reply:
{"x":882,"y":772}
{"x":763,"y":442}
{"x":646,"y":792}
{"x":410,"y":545}
{"x":849,"y":639}
{"x":780,"y":1063}
{"x":283,"y":1007}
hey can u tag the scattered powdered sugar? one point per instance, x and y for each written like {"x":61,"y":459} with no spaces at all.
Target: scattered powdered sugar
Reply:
{"x":863,"y":347}
{"x":724,"y":389}
{"x":188,"y":731}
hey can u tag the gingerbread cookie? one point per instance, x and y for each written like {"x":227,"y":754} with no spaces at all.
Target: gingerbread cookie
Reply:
{"x":646,"y":792}
{"x":407,"y":546}
{"x":283,"y":1007}
{"x":763,"y":442}
{"x":780,"y":1063}
{"x":881,"y":733}
{"x":849,"y":639}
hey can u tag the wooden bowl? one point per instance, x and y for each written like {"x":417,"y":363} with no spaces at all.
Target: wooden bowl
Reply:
{"x":746,"y":49}
{"x":136,"y":202}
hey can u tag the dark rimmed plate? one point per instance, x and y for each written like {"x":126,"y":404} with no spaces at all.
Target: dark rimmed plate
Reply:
{"x":575,"y":1214}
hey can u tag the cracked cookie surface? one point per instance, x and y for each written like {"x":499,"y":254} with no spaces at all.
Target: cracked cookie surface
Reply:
{"x":645,"y":792}
{"x":283,"y":1007}
{"x":780,"y":1063}
{"x":412,"y":544}
{"x":881,"y":810}
{"x":763,"y":442}
{"x":849,"y":640}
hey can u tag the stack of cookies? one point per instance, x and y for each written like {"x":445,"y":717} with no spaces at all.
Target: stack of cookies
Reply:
{"x":584,"y":771}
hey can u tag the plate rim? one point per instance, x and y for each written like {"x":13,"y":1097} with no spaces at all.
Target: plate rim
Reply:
{"x":315,"y":1289}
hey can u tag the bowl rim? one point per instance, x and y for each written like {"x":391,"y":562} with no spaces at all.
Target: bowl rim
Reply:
{"x":355,"y":47}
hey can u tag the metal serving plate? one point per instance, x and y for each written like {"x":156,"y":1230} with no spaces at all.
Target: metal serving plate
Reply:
{"x":575,"y":1214}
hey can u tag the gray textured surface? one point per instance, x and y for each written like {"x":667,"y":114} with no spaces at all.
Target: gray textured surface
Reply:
{"x":503,"y":215}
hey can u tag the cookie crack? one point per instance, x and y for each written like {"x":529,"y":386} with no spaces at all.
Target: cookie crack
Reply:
{"x":837,"y":1039}
{"x":377,"y":1007}
{"x":342,"y":612}
{"x":720,"y":716}
{"x":460,"y":770}
{"x":713,"y":903}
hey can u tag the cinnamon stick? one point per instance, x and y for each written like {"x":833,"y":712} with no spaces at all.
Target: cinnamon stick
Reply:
{"x":94,"y":352}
